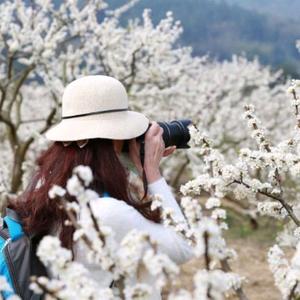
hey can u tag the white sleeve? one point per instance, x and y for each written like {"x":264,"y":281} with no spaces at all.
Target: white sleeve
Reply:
{"x":160,"y":187}
{"x":122,"y":218}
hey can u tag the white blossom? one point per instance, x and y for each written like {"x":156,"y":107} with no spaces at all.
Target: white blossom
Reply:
{"x":271,"y":208}
{"x":84,"y":173}
{"x":56,"y":191}
{"x":215,"y":282}
{"x":4,"y":285}
{"x":74,"y":186}
{"x":212,"y":202}
{"x":138,"y":292}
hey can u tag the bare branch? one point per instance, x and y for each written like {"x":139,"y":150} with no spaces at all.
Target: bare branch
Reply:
{"x":132,"y":73}
{"x":19,"y":83}
{"x":32,"y":121}
{"x":49,"y":121}
{"x":12,"y":133}
{"x":10,"y":66}
{"x":293,"y":290}
{"x":106,"y":68}
{"x":3,"y":95}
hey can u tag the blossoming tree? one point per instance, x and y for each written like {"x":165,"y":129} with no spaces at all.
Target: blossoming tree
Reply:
{"x":270,"y":189}
{"x":203,"y":228}
{"x":44,"y":46}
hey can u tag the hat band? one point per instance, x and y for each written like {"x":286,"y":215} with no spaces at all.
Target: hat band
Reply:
{"x":95,"y":113}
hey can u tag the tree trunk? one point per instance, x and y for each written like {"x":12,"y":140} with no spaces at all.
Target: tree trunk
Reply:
{"x":17,"y":172}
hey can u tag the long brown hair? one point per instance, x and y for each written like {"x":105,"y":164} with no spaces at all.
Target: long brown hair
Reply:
{"x":40,"y":214}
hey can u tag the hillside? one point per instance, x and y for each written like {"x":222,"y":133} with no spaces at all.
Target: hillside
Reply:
{"x":221,"y":29}
{"x":282,"y":9}
{"x":267,"y":29}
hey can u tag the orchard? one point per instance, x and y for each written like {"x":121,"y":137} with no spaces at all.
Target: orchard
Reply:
{"x":244,"y":153}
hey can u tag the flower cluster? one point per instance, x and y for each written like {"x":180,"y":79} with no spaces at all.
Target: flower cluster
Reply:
{"x":5,"y":287}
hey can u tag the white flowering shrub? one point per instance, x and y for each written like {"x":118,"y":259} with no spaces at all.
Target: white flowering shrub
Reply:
{"x":272,"y":191}
{"x":44,"y":46}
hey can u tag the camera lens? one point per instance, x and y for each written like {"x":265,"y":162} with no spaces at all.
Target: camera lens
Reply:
{"x":176,"y":133}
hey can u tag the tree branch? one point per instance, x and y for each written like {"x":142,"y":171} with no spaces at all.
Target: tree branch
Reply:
{"x":49,"y":120}
{"x":12,"y":133}
{"x":3,"y":95}
{"x":292,"y":293}
{"x":18,"y":85}
{"x":132,"y":73}
{"x":226,"y":268}
{"x":287,"y":207}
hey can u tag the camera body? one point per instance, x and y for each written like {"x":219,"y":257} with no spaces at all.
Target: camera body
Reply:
{"x":175,"y":133}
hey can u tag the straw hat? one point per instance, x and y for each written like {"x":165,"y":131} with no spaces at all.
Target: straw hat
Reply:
{"x":97,"y":107}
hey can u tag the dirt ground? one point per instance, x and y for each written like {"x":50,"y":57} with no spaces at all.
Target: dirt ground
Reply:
{"x":252,"y":246}
{"x":251,"y":263}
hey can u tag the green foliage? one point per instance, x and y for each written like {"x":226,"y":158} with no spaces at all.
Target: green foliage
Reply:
{"x":241,"y":227}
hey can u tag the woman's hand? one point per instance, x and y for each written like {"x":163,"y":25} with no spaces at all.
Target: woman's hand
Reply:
{"x":154,"y":151}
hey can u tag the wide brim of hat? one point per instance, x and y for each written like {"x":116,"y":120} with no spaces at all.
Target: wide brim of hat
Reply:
{"x":116,"y":125}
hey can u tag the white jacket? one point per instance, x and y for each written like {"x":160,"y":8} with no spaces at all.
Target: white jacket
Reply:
{"x":123,"y":218}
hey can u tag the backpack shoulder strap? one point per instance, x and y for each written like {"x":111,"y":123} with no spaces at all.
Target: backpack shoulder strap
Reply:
{"x":13,"y":224}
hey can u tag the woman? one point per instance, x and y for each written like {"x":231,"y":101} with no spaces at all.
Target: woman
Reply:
{"x":95,"y":124}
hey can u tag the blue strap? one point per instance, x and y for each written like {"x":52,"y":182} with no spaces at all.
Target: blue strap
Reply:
{"x":14,"y":228}
{"x":105,"y":194}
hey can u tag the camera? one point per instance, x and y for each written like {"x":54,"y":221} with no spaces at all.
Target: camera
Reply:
{"x":175,"y":133}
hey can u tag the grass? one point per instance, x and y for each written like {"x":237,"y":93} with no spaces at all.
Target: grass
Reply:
{"x":242,"y":228}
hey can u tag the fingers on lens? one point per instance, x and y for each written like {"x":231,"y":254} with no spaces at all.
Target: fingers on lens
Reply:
{"x":155,"y":128}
